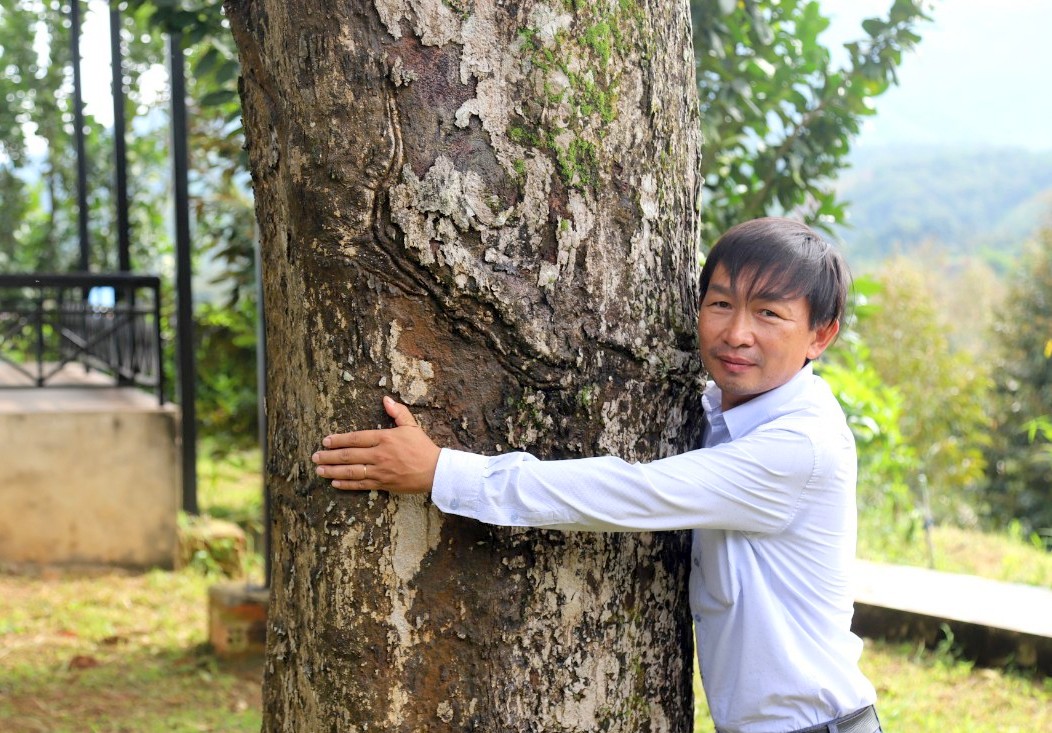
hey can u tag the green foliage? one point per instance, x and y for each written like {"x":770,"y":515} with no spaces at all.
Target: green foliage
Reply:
{"x":777,"y":117}
{"x":943,"y":390}
{"x":209,"y":547}
{"x":37,"y":192}
{"x":885,"y":460}
{"x":1020,"y":460}
{"x":223,"y":217}
{"x":37,"y":197}
{"x":226,"y":372}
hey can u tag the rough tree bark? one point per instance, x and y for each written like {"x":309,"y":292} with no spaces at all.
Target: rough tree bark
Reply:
{"x":487,"y":209}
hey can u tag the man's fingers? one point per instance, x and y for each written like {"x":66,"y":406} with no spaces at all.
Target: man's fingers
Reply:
{"x":368,"y":485}
{"x":399,"y":413}
{"x":357,"y":439}
{"x":344,"y":455}
{"x":353,"y":472}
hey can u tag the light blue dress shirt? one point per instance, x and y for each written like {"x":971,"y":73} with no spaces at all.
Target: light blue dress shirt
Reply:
{"x":771,"y":502}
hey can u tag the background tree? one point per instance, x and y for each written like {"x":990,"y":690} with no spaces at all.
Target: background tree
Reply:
{"x":1020,"y":465}
{"x":888,"y":511}
{"x":39,"y":232}
{"x":778,"y":116}
{"x":489,"y":211}
{"x":943,"y":389}
{"x":38,"y":189}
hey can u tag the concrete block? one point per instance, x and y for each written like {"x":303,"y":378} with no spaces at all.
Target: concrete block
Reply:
{"x":237,"y":619}
{"x":88,"y":477}
{"x":991,"y":622}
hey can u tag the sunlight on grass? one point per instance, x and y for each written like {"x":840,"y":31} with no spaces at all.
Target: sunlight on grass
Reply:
{"x":117,"y":651}
{"x":922,"y":691}
{"x":229,"y":482}
{"x":1009,"y":557}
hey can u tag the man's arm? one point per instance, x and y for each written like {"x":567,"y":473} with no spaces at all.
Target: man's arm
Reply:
{"x":401,"y":459}
{"x":752,"y":484}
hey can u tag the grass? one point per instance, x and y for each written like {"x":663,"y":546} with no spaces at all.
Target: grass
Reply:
{"x":127,"y":652}
{"x":230,"y":487}
{"x":120,"y":652}
{"x":117,"y":652}
{"x":1011,"y":557}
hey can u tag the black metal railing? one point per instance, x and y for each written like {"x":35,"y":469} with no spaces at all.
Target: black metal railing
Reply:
{"x":108,"y":322}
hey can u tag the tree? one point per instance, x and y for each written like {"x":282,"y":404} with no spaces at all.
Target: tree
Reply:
{"x":778,"y":116}
{"x":38,"y":200}
{"x":944,"y":390}
{"x":1020,"y":463}
{"x":489,"y":211}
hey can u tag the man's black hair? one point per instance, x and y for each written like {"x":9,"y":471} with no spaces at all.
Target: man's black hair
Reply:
{"x":781,"y":258}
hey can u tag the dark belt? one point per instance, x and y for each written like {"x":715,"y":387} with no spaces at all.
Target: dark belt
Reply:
{"x":860,"y":721}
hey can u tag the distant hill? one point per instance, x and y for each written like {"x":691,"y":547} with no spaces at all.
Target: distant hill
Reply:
{"x":965,"y":201}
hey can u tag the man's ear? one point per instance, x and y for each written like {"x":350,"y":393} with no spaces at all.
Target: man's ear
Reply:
{"x":822,"y":338}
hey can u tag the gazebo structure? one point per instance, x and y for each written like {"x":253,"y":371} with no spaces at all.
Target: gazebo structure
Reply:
{"x":94,"y":469}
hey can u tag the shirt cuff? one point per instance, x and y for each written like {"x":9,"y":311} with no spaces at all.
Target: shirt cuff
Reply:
{"x":458,"y":481}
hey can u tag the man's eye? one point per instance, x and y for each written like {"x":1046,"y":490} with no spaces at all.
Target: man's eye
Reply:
{"x":768,"y":313}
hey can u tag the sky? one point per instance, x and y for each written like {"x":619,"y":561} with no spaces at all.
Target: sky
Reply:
{"x":980,"y":76}
{"x":95,"y":52}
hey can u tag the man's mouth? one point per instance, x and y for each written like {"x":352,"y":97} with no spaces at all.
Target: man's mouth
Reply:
{"x":735,"y":364}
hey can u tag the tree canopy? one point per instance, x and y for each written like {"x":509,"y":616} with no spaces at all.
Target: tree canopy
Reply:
{"x":777,"y":118}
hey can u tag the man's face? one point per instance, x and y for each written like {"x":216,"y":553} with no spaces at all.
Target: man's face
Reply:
{"x":753,"y":343}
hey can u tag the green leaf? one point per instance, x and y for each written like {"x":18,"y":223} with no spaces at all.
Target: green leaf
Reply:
{"x":218,"y":98}
{"x":207,"y":62}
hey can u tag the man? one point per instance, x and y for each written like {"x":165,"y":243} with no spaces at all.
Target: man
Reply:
{"x":770,"y":497}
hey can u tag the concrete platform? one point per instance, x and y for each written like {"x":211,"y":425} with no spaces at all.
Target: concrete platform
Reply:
{"x":992,"y":622}
{"x":89,"y":473}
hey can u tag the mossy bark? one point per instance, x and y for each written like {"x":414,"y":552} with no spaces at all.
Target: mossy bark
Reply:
{"x":488,"y":210}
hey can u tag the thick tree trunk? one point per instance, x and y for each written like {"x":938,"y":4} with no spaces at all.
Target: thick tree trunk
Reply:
{"x":486,"y":209}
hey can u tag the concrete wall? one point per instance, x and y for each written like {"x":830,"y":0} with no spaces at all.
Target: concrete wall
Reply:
{"x":88,"y":477}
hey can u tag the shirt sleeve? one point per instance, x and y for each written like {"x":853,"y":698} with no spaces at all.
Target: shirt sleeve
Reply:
{"x":753,"y":484}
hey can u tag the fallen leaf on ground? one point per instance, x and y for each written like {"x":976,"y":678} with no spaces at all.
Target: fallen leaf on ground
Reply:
{"x":82,"y":661}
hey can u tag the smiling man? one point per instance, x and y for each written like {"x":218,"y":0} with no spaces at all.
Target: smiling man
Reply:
{"x":770,"y":496}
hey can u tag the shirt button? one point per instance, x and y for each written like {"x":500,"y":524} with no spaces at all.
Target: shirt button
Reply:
{"x":697,"y":618}
{"x":455,"y":504}
{"x":697,"y":561}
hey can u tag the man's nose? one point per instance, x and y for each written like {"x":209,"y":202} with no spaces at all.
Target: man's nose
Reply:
{"x":740,"y":330}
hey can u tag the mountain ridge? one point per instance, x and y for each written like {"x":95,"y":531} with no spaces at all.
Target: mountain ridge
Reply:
{"x":985,"y":201}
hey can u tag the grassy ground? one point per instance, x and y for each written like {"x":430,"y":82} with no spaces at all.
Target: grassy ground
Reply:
{"x":1010,"y":557}
{"x":118,"y":652}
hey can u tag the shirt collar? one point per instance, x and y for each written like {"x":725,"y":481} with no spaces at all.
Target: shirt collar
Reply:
{"x":748,"y":416}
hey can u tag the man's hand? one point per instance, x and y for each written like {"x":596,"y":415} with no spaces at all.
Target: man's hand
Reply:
{"x":401,"y":459}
